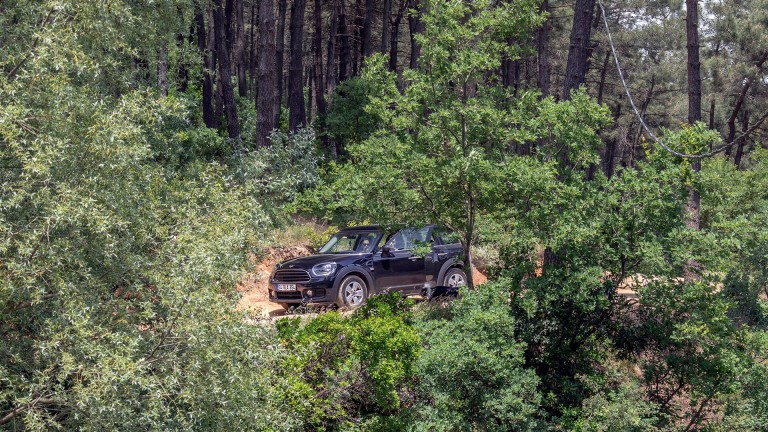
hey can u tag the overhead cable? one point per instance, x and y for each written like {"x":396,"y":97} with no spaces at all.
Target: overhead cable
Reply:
{"x":645,"y":127}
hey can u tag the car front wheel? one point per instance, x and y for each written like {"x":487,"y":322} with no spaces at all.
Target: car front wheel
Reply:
{"x":352,"y":292}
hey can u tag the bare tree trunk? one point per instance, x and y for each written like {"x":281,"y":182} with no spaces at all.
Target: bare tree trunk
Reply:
{"x":742,"y":141}
{"x":225,"y":73}
{"x":209,"y":117}
{"x":366,"y":47}
{"x":385,"y":26}
{"x":318,"y":48}
{"x":267,"y":100}
{"x":252,"y":52}
{"x":345,"y":54}
{"x":610,"y":147}
{"x":280,"y":55}
{"x":692,"y":208}
{"x":297,"y":117}
{"x":218,"y":95}
{"x":578,"y":53}
{"x":694,"y":65}
{"x":331,"y":57}
{"x":357,"y":28}
{"x":182,"y":68}
{"x":542,"y":45}
{"x":162,"y":69}
{"x":242,"y":65}
{"x":603,"y":73}
{"x":395,"y":35}
{"x":415,"y":26}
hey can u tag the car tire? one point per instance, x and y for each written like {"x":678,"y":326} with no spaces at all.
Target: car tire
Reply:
{"x":353,"y":291}
{"x":454,"y":278}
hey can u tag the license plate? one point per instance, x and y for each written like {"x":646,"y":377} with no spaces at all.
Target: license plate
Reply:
{"x":286,"y":287}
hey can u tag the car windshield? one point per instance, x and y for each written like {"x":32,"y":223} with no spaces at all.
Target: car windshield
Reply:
{"x":351,"y":242}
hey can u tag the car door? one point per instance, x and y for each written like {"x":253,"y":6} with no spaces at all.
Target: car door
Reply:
{"x":400,"y":269}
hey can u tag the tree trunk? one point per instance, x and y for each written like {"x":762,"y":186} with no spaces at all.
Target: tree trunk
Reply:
{"x":297,"y":117}
{"x":162,"y":69}
{"x":415,"y":26}
{"x":385,"y":26}
{"x":318,"y":48}
{"x":692,"y":208}
{"x":578,"y":52}
{"x":225,"y":73}
{"x":357,"y":37}
{"x":542,"y":45}
{"x":182,"y":69}
{"x":267,"y":100}
{"x":742,"y":141}
{"x":280,"y":55}
{"x":366,"y":47}
{"x":610,"y":148}
{"x":345,"y":53}
{"x":252,"y":53}
{"x":603,"y":73}
{"x":209,"y":117}
{"x":242,"y":65}
{"x":395,"y":35}
{"x":694,"y":66}
{"x":331,"y":67}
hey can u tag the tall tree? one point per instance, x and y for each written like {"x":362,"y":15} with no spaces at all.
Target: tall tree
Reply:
{"x":267,"y":101}
{"x":694,"y":103}
{"x":209,"y":117}
{"x":366,"y":41}
{"x":225,"y":72}
{"x":578,"y":52}
{"x":387,"y":12}
{"x":317,"y":45}
{"x":416,"y":26}
{"x":345,"y":51}
{"x":297,"y":116}
{"x":542,"y":49}
{"x":331,"y":71}
{"x":395,"y":35}
{"x":282,"y":9}
{"x":239,"y":55}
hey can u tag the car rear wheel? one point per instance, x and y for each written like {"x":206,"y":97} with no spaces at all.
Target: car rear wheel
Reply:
{"x":454,"y":278}
{"x":352,"y":292}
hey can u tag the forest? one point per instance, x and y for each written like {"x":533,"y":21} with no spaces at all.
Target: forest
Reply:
{"x":151,"y":150}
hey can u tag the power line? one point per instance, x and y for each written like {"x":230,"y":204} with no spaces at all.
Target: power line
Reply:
{"x":648,"y":131}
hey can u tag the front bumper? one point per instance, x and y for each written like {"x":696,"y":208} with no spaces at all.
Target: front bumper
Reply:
{"x":319,"y":292}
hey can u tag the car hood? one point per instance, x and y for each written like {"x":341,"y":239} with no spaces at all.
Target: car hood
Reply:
{"x":307,"y":262}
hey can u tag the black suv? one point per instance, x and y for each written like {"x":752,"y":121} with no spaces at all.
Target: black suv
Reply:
{"x":361,"y":261}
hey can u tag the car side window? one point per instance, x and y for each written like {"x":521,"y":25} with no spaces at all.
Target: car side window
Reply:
{"x":398,"y":241}
{"x":409,"y":238}
{"x":446,"y":236}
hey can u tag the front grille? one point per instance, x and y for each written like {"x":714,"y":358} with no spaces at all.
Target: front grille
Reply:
{"x":292,"y":275}
{"x":289,"y":295}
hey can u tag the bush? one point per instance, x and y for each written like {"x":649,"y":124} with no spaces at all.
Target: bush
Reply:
{"x":345,"y":367}
{"x":471,"y":375}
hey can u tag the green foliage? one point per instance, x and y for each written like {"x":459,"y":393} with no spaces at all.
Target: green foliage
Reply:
{"x":288,"y":166}
{"x":471,"y":374}
{"x":347,"y":366}
{"x":691,"y":348}
{"x":347,"y":121}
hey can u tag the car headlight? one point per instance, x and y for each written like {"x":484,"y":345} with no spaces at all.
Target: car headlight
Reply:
{"x":324,"y":269}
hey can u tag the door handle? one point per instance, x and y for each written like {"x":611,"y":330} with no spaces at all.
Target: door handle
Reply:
{"x":414,"y":258}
